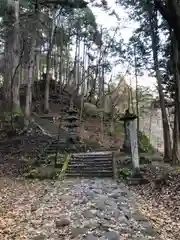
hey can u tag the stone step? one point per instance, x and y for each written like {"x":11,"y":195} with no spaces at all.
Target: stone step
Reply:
{"x":90,"y":175}
{"x":91,"y":163}
{"x":84,"y":156}
{"x":105,"y":153}
{"x":85,"y":162}
{"x":91,"y":170}
{"x":106,"y":167}
{"x":92,"y":158}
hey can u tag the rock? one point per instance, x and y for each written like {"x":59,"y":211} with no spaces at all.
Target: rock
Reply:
{"x":83,"y":201}
{"x":137,"y":181}
{"x":114,"y":195}
{"x":101,"y":205}
{"x":33,"y":208}
{"x":98,"y":191}
{"x":77,"y":231}
{"x":104,"y":225}
{"x":92,"y":225}
{"x":101,"y":202}
{"x":111,"y":236}
{"x":148,"y":231}
{"x":138,"y":216}
{"x":90,"y":194}
{"x":91,"y":237}
{"x":111,"y":204}
{"x":88,"y":214}
{"x":39,"y":237}
{"x":36,"y":222}
{"x":66,"y":198}
{"x":62,"y":222}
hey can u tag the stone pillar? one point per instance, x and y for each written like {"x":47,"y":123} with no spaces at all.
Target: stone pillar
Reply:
{"x":131,"y":140}
{"x":134,"y":143}
{"x":126,"y":144}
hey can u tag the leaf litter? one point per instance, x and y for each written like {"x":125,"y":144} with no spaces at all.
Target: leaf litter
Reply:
{"x":160,"y":201}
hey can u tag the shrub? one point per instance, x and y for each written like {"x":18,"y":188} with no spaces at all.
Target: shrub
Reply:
{"x":124,"y":173}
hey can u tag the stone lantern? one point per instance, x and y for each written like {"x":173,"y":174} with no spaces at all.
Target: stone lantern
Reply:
{"x":127,"y":118}
{"x":72,"y":125}
{"x":130,"y":139}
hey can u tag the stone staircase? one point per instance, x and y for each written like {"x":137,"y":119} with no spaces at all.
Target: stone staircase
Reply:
{"x":91,"y":164}
{"x":82,"y":163}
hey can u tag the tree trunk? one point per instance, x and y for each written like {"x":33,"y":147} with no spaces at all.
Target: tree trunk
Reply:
{"x":176,"y":139}
{"x":12,"y":58}
{"x":29,"y":84}
{"x":31,"y":68}
{"x":47,"y":78}
{"x":166,"y":130}
{"x":176,"y":130}
{"x":170,"y":10}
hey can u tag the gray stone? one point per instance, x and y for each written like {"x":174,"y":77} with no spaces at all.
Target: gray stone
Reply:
{"x":104,"y":225}
{"x":102,"y":197}
{"x":62,"y":222}
{"x":114,"y":186}
{"x":101,"y":202}
{"x":111,"y":236}
{"x":124,"y":194}
{"x":66,"y":198}
{"x":114,"y":195}
{"x":111,"y":203}
{"x":33,"y":208}
{"x":92,"y":225}
{"x":98,"y":191}
{"x":36,"y":222}
{"x":83,"y":201}
{"x":138,"y":216}
{"x":148,"y":231}
{"x":88,"y":214}
{"x":100,"y":205}
{"x":77,"y":231}
{"x":90,"y":194}
{"x":39,"y":237}
{"x":100,"y":214}
{"x":91,"y":237}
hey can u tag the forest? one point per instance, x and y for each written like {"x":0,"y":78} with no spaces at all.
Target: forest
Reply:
{"x":57,"y":66}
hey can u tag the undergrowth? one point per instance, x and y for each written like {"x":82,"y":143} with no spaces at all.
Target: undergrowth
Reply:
{"x":144,"y":142}
{"x":48,"y":171}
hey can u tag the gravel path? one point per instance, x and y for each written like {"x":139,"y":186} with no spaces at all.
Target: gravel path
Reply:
{"x":73,"y":209}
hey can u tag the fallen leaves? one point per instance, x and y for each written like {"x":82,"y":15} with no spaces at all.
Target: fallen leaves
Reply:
{"x":17,"y":197}
{"x":161,"y":204}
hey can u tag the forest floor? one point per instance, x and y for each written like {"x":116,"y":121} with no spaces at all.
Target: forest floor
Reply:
{"x":34,"y":209}
{"x":72,"y":209}
{"x":159,"y":200}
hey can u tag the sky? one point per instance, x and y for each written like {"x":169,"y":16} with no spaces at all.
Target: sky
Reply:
{"x":127,"y":27}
